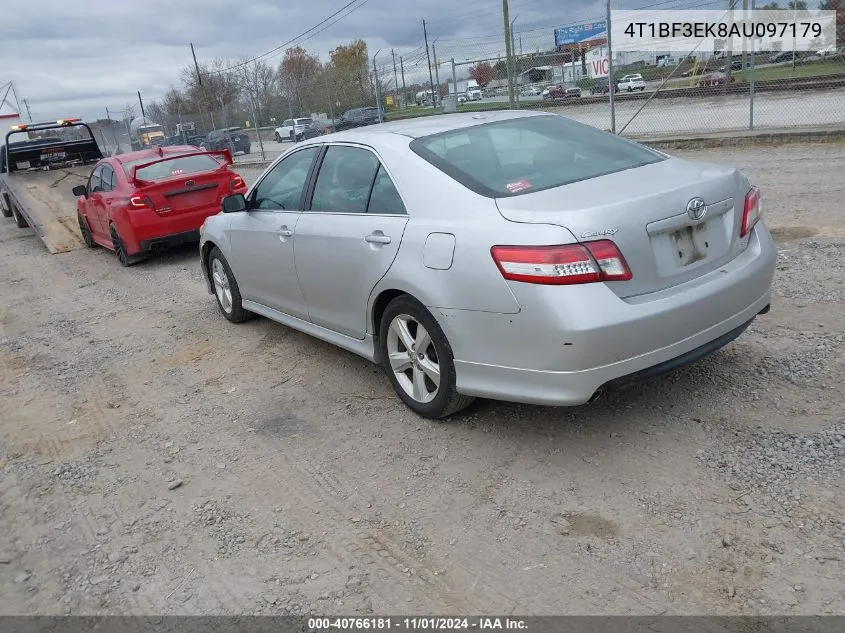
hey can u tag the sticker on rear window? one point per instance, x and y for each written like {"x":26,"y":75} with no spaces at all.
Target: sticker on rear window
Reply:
{"x":519,"y":185}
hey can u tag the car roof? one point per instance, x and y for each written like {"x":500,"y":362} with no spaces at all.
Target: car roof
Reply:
{"x":428,"y":125}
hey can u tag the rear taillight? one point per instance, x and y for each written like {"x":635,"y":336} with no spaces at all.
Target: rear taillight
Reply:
{"x":584,"y":263}
{"x":752,"y":212}
{"x":140,"y":202}
{"x":236,"y":183}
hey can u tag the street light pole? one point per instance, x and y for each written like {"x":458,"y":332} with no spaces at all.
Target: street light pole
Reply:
{"x":508,"y":51}
{"x":375,"y":81}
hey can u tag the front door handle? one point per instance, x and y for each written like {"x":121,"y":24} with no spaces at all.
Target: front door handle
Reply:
{"x":378,"y":238}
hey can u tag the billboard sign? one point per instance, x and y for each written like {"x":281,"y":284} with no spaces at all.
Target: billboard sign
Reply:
{"x":575,"y":34}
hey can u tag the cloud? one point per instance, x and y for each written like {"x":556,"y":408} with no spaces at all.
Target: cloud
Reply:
{"x":78,"y":58}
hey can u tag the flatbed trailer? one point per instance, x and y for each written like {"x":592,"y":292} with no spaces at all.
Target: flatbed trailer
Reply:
{"x":37,"y":176}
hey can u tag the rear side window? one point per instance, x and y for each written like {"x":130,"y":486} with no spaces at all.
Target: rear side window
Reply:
{"x":179,"y":166}
{"x":345,"y":180}
{"x":523,"y":155}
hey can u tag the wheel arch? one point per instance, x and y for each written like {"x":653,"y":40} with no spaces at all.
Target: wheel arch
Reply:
{"x":205,"y":254}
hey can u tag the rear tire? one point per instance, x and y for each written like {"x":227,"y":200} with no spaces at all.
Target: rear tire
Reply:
{"x":424,"y":377}
{"x":86,"y":231}
{"x":123,"y":257}
{"x":226,"y":290}
{"x":20,"y":221}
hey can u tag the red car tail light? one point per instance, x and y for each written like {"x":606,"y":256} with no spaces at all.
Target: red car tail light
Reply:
{"x":140,"y":202}
{"x":236,"y":183}
{"x":584,"y":263}
{"x":752,"y":212}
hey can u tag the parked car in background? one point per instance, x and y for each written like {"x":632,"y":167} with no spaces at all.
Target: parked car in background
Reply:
{"x":292,"y":129}
{"x":195,"y":140}
{"x":783,"y":56}
{"x":474,"y":94}
{"x":715,"y":79}
{"x":231,"y":138}
{"x":640,"y":262}
{"x":150,"y":200}
{"x":531,"y":91}
{"x":601,"y":87}
{"x":735,"y":65}
{"x":629,"y":83}
{"x":357,"y":117}
{"x":561,"y":92}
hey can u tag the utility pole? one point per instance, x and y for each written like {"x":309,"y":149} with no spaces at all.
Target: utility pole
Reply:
{"x":142,"y":107}
{"x":28,"y":113}
{"x":395,"y":76}
{"x":611,"y":84}
{"x":430,"y":78}
{"x":404,"y":90}
{"x":328,"y":92}
{"x":455,"y":81}
{"x":509,"y":51}
{"x":196,"y":65}
{"x":113,"y":132}
{"x":375,"y":81}
{"x":436,"y":74}
{"x":729,"y":53}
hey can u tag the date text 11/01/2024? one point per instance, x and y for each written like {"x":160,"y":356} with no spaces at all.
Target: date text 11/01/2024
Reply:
{"x":416,"y":623}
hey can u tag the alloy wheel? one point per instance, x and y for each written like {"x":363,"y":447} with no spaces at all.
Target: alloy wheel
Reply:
{"x":413,"y":358}
{"x":222,"y":287}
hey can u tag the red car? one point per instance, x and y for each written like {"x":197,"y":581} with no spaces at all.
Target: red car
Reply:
{"x":150,"y":200}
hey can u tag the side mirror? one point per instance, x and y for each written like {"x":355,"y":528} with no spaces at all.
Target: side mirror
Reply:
{"x":80,"y":190}
{"x":234,"y":203}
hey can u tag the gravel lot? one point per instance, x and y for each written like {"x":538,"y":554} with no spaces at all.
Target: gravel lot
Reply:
{"x":157,"y":459}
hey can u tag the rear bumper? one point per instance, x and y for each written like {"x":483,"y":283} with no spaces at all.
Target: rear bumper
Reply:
{"x":169,"y":241}
{"x":564,"y":347}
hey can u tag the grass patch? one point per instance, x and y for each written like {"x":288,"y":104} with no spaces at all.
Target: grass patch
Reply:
{"x":811,"y":69}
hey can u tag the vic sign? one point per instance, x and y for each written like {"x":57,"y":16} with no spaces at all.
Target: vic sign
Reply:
{"x":600,"y":67}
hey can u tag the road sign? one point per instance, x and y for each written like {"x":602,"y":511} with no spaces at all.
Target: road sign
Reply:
{"x":579,"y":33}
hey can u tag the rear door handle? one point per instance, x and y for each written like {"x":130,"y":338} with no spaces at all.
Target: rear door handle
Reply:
{"x":378,"y":238}
{"x":285,"y":232}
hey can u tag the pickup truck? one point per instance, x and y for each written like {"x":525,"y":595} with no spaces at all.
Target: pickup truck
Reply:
{"x":40,"y":163}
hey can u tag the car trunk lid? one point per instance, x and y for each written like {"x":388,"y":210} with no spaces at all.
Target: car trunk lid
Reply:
{"x":184,"y":190}
{"x":644,"y":211}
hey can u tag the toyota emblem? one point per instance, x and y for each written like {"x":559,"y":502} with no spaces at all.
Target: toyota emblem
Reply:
{"x":696,"y":208}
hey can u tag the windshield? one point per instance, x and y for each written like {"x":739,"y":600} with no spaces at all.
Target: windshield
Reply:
{"x":178,"y":166}
{"x":529,"y":154}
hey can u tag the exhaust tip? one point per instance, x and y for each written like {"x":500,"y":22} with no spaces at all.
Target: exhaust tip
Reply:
{"x":597,"y":395}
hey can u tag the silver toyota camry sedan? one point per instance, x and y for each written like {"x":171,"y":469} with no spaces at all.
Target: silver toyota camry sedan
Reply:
{"x":507,"y":255}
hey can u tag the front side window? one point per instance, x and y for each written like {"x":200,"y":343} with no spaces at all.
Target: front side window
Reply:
{"x":282,"y":187}
{"x":96,"y":183}
{"x":345,"y":180}
{"x":108,"y":178}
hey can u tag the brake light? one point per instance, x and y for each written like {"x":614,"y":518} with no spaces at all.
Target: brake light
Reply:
{"x":140,"y":202}
{"x":752,"y":212}
{"x":236,"y":183}
{"x":588,"y":262}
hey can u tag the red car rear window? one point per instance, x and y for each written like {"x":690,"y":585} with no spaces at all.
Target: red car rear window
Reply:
{"x":176,"y":166}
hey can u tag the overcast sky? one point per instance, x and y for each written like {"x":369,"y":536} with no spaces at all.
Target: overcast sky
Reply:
{"x":77,"y":58}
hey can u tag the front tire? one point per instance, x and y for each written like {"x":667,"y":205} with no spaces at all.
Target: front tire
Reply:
{"x":86,"y":231}
{"x":277,"y":138}
{"x":226,"y":289}
{"x":418,"y":360}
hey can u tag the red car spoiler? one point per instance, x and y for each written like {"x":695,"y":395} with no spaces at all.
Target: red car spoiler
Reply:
{"x":225,"y":153}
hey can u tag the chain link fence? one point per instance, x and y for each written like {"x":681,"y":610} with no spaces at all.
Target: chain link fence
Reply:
{"x":705,"y":91}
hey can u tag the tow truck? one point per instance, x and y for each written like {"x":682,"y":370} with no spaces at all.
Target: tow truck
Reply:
{"x":40,"y":163}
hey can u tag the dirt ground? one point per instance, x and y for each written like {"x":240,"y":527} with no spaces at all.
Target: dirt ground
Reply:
{"x":306,"y":487}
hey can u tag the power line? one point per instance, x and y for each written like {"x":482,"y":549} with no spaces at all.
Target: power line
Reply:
{"x":304,"y":36}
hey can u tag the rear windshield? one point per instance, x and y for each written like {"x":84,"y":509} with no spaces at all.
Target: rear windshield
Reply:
{"x":174,"y":167}
{"x":524,"y":155}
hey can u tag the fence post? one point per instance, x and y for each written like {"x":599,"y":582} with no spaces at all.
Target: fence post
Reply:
{"x":611,"y":85}
{"x":751,"y":79}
